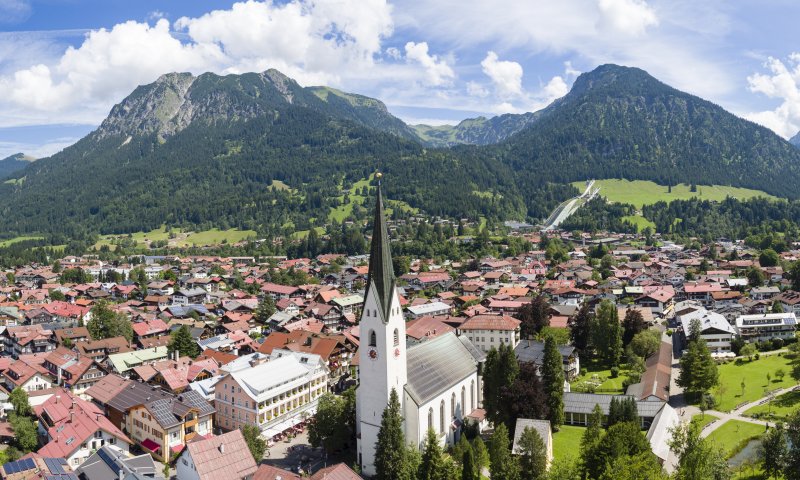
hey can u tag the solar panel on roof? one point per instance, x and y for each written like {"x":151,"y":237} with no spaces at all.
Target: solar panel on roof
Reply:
{"x":54,"y":465}
{"x":29,"y":464}
{"x":105,"y":457}
{"x":10,"y":468}
{"x":791,"y":321}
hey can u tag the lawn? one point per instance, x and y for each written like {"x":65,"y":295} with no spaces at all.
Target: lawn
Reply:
{"x":602,"y":380}
{"x":640,"y":222}
{"x":703,"y":420}
{"x":754,"y":375}
{"x":640,"y":192}
{"x":5,"y":243}
{"x":782,"y":406}
{"x":181,"y":239}
{"x":733,"y":433}
{"x":567,"y":442}
{"x":216,"y":237}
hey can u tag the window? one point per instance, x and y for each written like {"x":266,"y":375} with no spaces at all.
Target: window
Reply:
{"x":453,"y":405}
{"x":396,"y":337}
{"x":430,"y":418}
{"x":373,"y":339}
{"x":472,"y":395}
{"x":441,"y":417}
{"x":463,"y":399}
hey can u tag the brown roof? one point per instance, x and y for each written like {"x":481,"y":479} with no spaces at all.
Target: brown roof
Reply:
{"x":656,"y":379}
{"x":340,"y":471}
{"x":107,"y":388}
{"x":268,"y":472}
{"x":491,"y":322}
{"x":224,"y":457}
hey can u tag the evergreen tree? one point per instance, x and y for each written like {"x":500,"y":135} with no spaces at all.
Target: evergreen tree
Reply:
{"x":106,"y":323}
{"x":481,"y":453}
{"x":501,"y":463}
{"x":698,"y":371}
{"x":525,"y":398}
{"x":632,"y":324}
{"x":469,"y":468}
{"x":591,"y":437}
{"x":580,"y":327}
{"x":500,"y":371}
{"x":553,"y":379}
{"x":534,"y":316}
{"x":390,"y":449}
{"x":607,"y":334}
{"x":532,"y":455}
{"x":182,"y":342}
{"x":432,"y":464}
{"x":265,"y":310}
{"x":622,"y":439}
{"x":622,"y":410}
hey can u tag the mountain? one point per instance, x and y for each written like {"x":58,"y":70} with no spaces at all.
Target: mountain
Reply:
{"x":207,"y":152}
{"x":14,"y":163}
{"x":177,"y":100}
{"x":475,"y":131}
{"x":795,"y":140}
{"x":620,"y":122}
{"x":258,"y":151}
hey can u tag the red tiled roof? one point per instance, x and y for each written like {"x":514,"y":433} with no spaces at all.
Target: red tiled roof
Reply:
{"x":491,"y":322}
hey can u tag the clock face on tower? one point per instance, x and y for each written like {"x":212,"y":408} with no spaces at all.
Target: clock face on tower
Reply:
{"x":373,"y":354}
{"x":396,"y":352}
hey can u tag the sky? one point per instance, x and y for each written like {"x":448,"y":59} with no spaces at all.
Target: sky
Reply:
{"x":65,"y":63}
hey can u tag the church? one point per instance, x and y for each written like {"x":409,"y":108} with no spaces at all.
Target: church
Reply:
{"x":437,"y":381}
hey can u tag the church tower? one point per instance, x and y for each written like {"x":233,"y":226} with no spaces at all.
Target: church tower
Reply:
{"x":382,"y":347}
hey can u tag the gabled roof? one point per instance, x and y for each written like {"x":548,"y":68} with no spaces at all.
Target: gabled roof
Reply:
{"x":435,"y":365}
{"x":223,"y":457}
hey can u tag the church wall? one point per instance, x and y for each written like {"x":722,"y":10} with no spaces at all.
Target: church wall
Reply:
{"x":421,"y":418}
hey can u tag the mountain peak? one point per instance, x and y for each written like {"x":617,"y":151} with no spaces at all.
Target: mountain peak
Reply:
{"x":615,"y":78}
{"x":795,"y":140}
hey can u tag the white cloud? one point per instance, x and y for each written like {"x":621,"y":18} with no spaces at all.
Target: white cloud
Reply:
{"x":630,"y":17}
{"x":320,"y":41}
{"x":505,"y":75}
{"x":782,"y":83}
{"x":475,"y":89}
{"x":437,"y":70}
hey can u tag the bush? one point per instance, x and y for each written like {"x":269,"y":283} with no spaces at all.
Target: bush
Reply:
{"x":614,"y":372}
{"x":777,"y":343}
{"x":669,"y":332}
{"x":758,"y":355}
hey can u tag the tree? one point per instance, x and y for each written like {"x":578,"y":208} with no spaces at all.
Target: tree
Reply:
{"x":501,"y":463}
{"x":331,"y":427}
{"x":19,"y":400}
{"x":698,"y":371}
{"x":697,"y":458}
{"x":777,"y":307}
{"x":794,"y":275}
{"x":607,"y":334}
{"x":553,"y":379}
{"x":646,"y":343}
{"x":622,"y":439}
{"x":401,"y":265}
{"x":469,"y":468}
{"x":390,"y":449}
{"x":532,"y":455}
{"x":748,"y":350}
{"x":580,"y":327}
{"x":481,"y":453}
{"x":25,"y":437}
{"x":255,"y":442}
{"x":622,"y":410}
{"x":769,"y":258}
{"x":106,"y":323}
{"x":591,"y":437}
{"x":534,"y":316}
{"x":563,"y":469}
{"x":501,"y":369}
{"x":774,"y":451}
{"x":181,"y":341}
{"x":56,"y":295}
{"x":265,"y":310}
{"x":632,"y":324}
{"x":792,"y":468}
{"x":755,"y":277}
{"x":432,"y":465}
{"x":525,"y":398}
{"x":635,"y":467}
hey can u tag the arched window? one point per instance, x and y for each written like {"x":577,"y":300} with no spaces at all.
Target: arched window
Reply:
{"x":453,"y":405}
{"x":396,"y":337}
{"x":441,"y":417}
{"x":373,"y":339}
{"x":430,"y":418}
{"x":463,"y":400}
{"x":472,"y":395}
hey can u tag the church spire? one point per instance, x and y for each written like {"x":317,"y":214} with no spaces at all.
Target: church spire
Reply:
{"x":381,"y":271}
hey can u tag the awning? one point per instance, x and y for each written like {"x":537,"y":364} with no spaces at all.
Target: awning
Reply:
{"x":177,"y":448}
{"x":150,"y":445}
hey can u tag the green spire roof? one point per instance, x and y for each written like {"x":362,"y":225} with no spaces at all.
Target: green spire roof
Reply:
{"x":381,"y":271}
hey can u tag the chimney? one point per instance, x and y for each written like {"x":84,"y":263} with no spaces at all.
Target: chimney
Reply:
{"x":71,"y":416}
{"x":57,"y":398}
{"x":222,"y":448}
{"x":121,"y":475}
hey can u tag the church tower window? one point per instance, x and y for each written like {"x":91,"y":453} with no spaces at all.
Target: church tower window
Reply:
{"x":373,"y":339}
{"x":396,"y":337}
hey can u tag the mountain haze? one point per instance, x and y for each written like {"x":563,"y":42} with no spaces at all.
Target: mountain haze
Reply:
{"x":206,"y":151}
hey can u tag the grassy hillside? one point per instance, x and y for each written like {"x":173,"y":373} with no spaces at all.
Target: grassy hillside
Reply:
{"x":642,"y":192}
{"x":178,"y":238}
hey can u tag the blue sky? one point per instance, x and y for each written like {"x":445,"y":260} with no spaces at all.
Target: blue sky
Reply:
{"x":65,"y":63}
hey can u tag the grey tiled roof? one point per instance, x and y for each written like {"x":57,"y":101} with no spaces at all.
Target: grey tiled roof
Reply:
{"x":575,"y":402}
{"x":438,"y":364}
